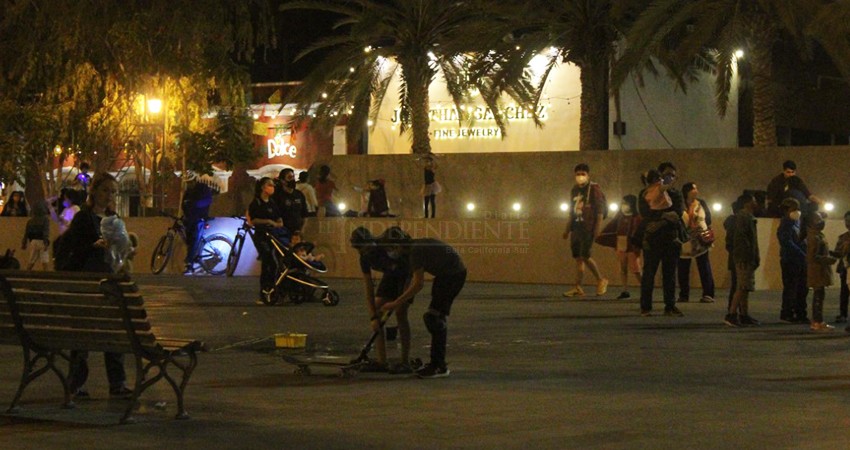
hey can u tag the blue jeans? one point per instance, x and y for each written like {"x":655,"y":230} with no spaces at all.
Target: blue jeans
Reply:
{"x":668,"y":258}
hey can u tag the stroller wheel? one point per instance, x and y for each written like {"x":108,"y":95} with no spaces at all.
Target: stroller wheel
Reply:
{"x":330,"y":298}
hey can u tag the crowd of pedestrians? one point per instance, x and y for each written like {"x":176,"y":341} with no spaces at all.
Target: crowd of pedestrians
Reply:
{"x":668,"y":228}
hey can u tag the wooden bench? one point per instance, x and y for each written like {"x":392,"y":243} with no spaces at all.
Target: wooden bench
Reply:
{"x":50,"y":314}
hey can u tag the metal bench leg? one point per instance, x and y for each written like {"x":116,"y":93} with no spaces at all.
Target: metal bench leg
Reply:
{"x":180,"y":389}
{"x":137,"y":391}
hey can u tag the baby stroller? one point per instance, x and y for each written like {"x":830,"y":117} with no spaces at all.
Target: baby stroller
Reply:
{"x":293,"y":280}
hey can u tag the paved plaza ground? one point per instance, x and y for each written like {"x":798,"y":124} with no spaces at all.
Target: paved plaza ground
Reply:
{"x":530,"y":369}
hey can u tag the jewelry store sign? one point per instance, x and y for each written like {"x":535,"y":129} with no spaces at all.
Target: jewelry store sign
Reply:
{"x":481,"y":115}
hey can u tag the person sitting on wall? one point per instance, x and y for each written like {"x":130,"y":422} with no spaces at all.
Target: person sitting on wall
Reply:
{"x":377,"y":206}
{"x":787,"y":185}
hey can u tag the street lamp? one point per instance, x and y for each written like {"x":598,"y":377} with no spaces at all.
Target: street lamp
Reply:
{"x":154,"y":105}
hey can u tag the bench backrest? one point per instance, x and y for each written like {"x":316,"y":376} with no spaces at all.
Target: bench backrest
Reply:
{"x":72,"y":311}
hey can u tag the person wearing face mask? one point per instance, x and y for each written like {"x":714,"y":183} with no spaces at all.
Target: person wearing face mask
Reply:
{"x":792,"y":262}
{"x":697,"y":219}
{"x":619,"y":234}
{"x":818,"y":268}
{"x":583,"y":226}
{"x":376,"y":256}
{"x":290,"y":201}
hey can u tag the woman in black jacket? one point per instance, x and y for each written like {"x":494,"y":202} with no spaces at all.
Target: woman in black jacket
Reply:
{"x":87,"y":251}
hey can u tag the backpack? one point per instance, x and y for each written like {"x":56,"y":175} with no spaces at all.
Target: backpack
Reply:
{"x":602,"y":196}
{"x":63,"y":253}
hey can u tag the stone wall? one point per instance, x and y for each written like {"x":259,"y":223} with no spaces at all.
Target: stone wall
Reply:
{"x":510,"y":250}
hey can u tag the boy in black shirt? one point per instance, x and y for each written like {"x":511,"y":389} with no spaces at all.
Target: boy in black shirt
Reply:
{"x":443,"y":262}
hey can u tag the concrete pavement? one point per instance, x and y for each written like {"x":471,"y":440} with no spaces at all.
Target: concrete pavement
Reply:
{"x":530,"y":369}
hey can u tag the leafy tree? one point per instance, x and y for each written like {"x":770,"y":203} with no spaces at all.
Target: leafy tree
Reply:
{"x":418,"y":38}
{"x":86,"y":62}
{"x":709,"y":32}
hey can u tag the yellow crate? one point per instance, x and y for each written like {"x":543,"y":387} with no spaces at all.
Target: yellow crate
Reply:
{"x":290,"y":340}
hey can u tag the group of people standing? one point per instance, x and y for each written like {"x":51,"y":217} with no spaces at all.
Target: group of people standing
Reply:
{"x":664,"y":227}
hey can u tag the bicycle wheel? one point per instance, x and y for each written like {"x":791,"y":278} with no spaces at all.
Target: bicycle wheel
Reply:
{"x":162,"y":253}
{"x":235,"y":253}
{"x":214,"y":252}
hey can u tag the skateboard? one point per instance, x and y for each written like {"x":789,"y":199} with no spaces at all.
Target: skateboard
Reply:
{"x":346,"y":369}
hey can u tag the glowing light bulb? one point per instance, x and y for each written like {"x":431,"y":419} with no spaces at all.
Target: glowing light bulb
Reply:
{"x":342,"y":206}
{"x":829,"y":206}
{"x":613,"y":207}
{"x":516,"y":206}
{"x":470,"y":206}
{"x":739,"y":53}
{"x":717,"y":207}
{"x":565,"y":207}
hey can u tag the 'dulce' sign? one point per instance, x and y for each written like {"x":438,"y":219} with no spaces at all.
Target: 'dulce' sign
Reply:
{"x":280,"y":146}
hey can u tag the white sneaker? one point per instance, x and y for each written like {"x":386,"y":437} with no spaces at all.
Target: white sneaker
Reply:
{"x":576,"y":292}
{"x":602,"y":287}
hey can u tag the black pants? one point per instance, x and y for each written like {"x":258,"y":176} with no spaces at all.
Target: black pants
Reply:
{"x":668,"y":258}
{"x":844,"y":293}
{"x":432,"y":200}
{"x":78,"y":372}
{"x":443,"y":293}
{"x":268,"y":263}
{"x":794,"y":290}
{"x":706,"y":278}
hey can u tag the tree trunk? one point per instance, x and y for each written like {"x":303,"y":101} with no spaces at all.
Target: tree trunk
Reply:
{"x":593,"y":124}
{"x":34,"y":191}
{"x":764,"y":109}
{"x":417,"y":76}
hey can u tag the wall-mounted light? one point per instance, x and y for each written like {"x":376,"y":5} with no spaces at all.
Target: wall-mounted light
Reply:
{"x":829,"y":206}
{"x":516,"y":206}
{"x":565,"y":206}
{"x":342,"y":207}
{"x":613,"y":207}
{"x":470,"y":206}
{"x":717,"y":207}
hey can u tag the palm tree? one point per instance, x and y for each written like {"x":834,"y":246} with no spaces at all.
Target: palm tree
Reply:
{"x":686,"y":29}
{"x":581,"y":32}
{"x":418,"y":38}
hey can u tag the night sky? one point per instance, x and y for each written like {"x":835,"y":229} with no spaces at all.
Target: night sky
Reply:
{"x":295,"y":31}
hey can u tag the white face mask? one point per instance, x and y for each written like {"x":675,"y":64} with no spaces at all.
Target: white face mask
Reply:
{"x":581,"y":180}
{"x":627,"y":210}
{"x":795,"y":215}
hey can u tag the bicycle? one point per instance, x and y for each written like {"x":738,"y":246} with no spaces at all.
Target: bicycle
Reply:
{"x":211,"y":253}
{"x":238,"y":243}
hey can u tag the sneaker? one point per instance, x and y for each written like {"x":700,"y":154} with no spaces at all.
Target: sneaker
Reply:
{"x":374,"y":367}
{"x":747,"y":320}
{"x":189,"y":269}
{"x":821,"y":326}
{"x":682,"y":300}
{"x":624,"y":295}
{"x":732,"y":320}
{"x":840,"y":319}
{"x":400,"y":369}
{"x":121,"y":392}
{"x":602,"y":286}
{"x":433,"y":371}
{"x":81,"y":394}
{"x":576,"y":292}
{"x":673,"y":312}
{"x":646,"y":313}
{"x":706,"y":299}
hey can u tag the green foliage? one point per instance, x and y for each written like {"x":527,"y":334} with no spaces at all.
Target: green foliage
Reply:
{"x":375,"y":39}
{"x":85,"y":63}
{"x":229,"y":142}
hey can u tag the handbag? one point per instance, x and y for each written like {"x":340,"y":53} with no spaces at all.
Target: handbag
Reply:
{"x":706,"y":237}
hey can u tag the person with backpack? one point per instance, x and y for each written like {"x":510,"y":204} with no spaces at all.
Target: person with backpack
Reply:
{"x":587,"y":210}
